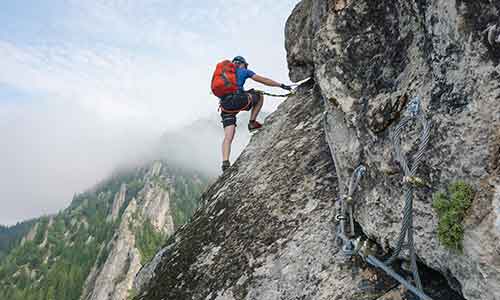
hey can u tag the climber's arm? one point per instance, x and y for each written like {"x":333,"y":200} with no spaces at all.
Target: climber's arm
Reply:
{"x":266,"y":81}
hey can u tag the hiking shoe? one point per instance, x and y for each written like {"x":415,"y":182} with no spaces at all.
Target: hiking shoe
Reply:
{"x":225,"y":165}
{"x":254,"y":125}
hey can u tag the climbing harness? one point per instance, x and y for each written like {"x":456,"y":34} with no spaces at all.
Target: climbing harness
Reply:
{"x":229,"y":111}
{"x":250,"y":101}
{"x":350,"y":245}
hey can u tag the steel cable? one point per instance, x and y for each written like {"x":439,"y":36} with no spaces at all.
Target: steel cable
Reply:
{"x":406,"y":232}
{"x":345,"y":211}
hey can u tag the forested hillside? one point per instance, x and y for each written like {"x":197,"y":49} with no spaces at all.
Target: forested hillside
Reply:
{"x":10,"y":235}
{"x":62,"y":255}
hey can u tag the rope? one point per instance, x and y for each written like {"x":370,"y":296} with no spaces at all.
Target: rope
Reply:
{"x":377,"y":263}
{"x":409,"y":179}
{"x":275,"y":95}
{"x":350,"y":246}
{"x":221,"y":108}
{"x":346,"y":213}
{"x":344,"y":205}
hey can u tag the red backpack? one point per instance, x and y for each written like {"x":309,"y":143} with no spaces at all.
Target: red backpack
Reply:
{"x":224,"y":80}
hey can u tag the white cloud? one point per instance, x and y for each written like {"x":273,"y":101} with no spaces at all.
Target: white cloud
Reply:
{"x":116,"y":85}
{"x":117,"y":75}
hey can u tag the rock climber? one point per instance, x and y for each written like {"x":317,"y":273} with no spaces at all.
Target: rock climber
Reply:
{"x":227,"y":83}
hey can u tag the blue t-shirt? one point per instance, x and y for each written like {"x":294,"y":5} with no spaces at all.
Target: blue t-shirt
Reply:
{"x":241,"y":75}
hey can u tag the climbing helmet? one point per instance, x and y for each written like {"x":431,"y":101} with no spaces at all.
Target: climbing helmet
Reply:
{"x":240,"y":60}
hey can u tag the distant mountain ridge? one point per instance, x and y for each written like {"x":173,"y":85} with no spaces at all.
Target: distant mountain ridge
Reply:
{"x":93,"y":249}
{"x":10,"y":235}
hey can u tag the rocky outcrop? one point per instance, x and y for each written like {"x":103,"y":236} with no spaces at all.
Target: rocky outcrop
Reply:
{"x":116,"y":276}
{"x":155,"y":169}
{"x":266,"y":230}
{"x":114,"y":279}
{"x":156,"y":207}
{"x":118,"y":202}
{"x":146,"y":273}
{"x":30,"y":236}
{"x":93,"y":249}
{"x":368,"y":60}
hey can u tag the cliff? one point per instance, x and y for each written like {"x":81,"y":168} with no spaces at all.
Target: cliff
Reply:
{"x":150,"y":208}
{"x":369,"y":59}
{"x":267,"y":229}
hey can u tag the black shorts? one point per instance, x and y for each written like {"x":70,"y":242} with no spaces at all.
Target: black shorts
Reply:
{"x":235,"y":103}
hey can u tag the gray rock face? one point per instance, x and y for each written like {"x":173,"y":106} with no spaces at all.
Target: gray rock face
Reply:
{"x":493,"y":33}
{"x":146,"y":273}
{"x":30,"y":235}
{"x":266,"y":230}
{"x":118,"y":202}
{"x":156,"y":208}
{"x":114,"y":279}
{"x":369,"y":59}
{"x":117,"y":274}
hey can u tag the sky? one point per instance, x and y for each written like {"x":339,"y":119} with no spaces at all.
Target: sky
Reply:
{"x":87,"y":86}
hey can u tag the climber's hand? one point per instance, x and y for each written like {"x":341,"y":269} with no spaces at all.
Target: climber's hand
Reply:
{"x":286,"y":87}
